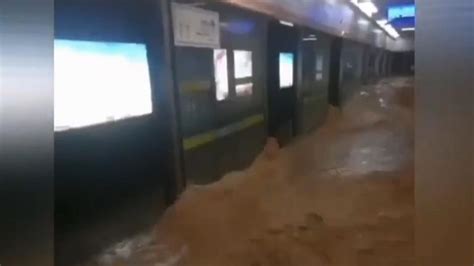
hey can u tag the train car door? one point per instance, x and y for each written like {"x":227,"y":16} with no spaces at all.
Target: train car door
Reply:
{"x":335,"y":72}
{"x":281,"y":75}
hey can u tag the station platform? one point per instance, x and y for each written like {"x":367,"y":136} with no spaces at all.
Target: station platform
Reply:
{"x":341,"y":195}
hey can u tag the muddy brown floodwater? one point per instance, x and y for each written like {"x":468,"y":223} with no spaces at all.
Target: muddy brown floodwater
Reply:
{"x":342,"y":195}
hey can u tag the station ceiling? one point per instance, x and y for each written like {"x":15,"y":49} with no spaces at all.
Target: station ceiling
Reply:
{"x":336,"y":17}
{"x":383,"y":6}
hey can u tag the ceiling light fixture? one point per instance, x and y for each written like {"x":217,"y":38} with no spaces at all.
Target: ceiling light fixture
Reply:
{"x":367,"y":7}
{"x":286,"y":23}
{"x":388,"y":28}
{"x":382,"y":22}
{"x":392,"y":31}
{"x":363,"y":22}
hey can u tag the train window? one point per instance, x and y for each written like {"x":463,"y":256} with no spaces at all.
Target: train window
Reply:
{"x":319,"y":67}
{"x":319,"y":76}
{"x":245,"y":89}
{"x":98,"y":82}
{"x":220,"y":74}
{"x":286,"y":70}
{"x":319,"y":63}
{"x":243,"y":64}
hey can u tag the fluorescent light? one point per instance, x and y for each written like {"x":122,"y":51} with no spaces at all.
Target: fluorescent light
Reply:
{"x":408,"y":29}
{"x":368,"y":8}
{"x":382,"y":22}
{"x":363,"y":22}
{"x":310,"y":37}
{"x":388,"y":28}
{"x":286,"y":23}
{"x":391,"y":31}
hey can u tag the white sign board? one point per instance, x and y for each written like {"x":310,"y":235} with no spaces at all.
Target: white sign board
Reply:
{"x":195,"y":27}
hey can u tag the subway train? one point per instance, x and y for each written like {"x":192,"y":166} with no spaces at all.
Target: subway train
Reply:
{"x":176,"y":112}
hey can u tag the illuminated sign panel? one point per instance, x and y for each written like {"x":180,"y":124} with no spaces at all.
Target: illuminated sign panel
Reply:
{"x":99,"y":82}
{"x":220,"y":74}
{"x":405,"y":11}
{"x":286,"y":70}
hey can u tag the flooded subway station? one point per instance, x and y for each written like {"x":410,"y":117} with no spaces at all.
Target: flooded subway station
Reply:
{"x":342,"y":195}
{"x":222,"y":133}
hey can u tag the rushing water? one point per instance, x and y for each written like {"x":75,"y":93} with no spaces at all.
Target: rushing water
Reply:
{"x":340,"y":196}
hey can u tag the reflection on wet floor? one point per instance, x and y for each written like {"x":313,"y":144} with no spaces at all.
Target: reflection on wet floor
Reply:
{"x":340,"y":196}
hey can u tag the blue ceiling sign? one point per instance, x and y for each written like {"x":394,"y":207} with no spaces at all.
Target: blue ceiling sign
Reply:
{"x":401,"y":11}
{"x":403,"y":22}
